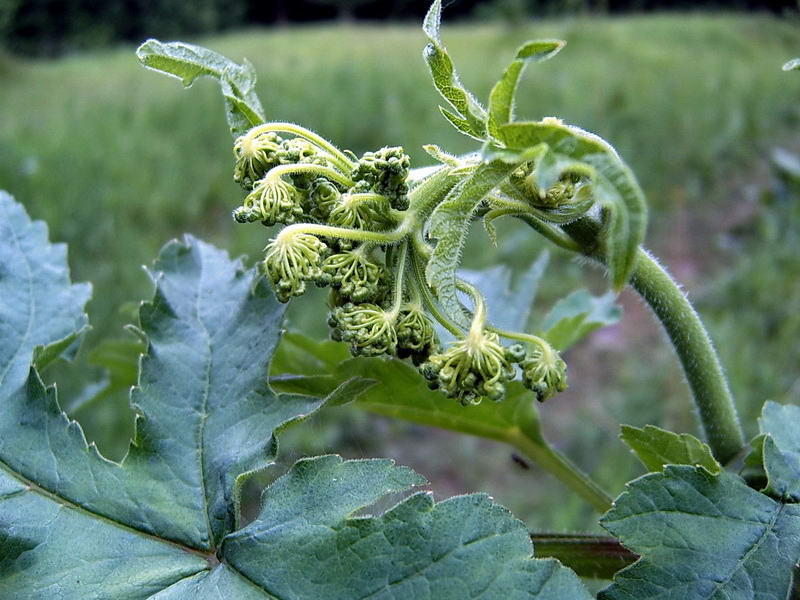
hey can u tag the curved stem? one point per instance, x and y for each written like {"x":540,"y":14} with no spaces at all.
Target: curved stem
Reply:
{"x":339,"y":157}
{"x":357,"y":235}
{"x":554,"y":234}
{"x":312,"y":169}
{"x":689,"y":338}
{"x":696,"y":353}
{"x":565,"y":470}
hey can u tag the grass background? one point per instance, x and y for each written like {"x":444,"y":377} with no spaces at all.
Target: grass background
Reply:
{"x":118,"y":160}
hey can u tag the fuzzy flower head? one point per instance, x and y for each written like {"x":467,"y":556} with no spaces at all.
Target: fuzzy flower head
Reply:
{"x":415,"y":334}
{"x":354,"y":275}
{"x":299,"y":151}
{"x":322,"y":197}
{"x":272,"y":201}
{"x":366,"y":327}
{"x":357,"y":211}
{"x":544,"y":372}
{"x":385,"y":172}
{"x":471,"y":369}
{"x":291,"y":261}
{"x":256,"y":153}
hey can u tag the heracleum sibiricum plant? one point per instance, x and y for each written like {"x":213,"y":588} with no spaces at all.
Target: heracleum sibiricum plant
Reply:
{"x":707,"y":521}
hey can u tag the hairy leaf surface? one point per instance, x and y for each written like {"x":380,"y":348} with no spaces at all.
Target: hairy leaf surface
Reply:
{"x":464,"y":547}
{"x":38,"y":305}
{"x":470,"y":117}
{"x":657,"y":447}
{"x":188,"y":62}
{"x":449,"y":225}
{"x":703,"y":537}
{"x":501,"y":99}
{"x":781,"y":450}
{"x":577,"y":315}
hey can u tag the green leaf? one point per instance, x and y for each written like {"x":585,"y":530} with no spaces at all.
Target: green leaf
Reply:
{"x":657,"y":448}
{"x":509,"y":306}
{"x":39,"y":309}
{"x":188,"y":62}
{"x":578,"y":315}
{"x":614,"y":186}
{"x":792,"y":65}
{"x":501,"y":99}
{"x":780,"y":423}
{"x":470,"y":117}
{"x":306,"y":543}
{"x":702,"y":537}
{"x":449,"y":224}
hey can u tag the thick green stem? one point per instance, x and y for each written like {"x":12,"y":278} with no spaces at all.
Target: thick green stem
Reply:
{"x":689,"y":338}
{"x":564,"y":469}
{"x":697,"y":355}
{"x":593,"y":556}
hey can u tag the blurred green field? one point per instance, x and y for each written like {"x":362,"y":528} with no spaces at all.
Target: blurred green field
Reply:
{"x":118,"y":160}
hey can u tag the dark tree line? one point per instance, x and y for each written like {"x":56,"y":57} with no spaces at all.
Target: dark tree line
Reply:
{"x":51,"y":27}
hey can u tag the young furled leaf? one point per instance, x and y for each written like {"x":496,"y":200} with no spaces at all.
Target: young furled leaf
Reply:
{"x":501,"y":99}
{"x":578,"y":315}
{"x":657,"y":448}
{"x":702,"y":537}
{"x":614,"y":187}
{"x":470,"y":117}
{"x":780,"y":426}
{"x":188,"y":62}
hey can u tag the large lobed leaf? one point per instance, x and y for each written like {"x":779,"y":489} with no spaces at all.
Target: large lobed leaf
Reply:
{"x":161,"y":524}
{"x":703,"y":537}
{"x":188,"y":62}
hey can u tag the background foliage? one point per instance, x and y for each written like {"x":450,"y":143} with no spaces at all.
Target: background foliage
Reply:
{"x":119,"y":161}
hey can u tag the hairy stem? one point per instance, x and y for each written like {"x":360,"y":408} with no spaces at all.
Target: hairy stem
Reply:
{"x":338,"y":156}
{"x":357,"y":235}
{"x":696,"y":353}
{"x":311,"y":169}
{"x":689,"y":338}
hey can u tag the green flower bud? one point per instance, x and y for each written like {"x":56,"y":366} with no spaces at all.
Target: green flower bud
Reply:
{"x":322,"y":197}
{"x":544,"y":372}
{"x":472,"y":369}
{"x":356,"y":212}
{"x":299,"y":151}
{"x":272,"y":201}
{"x":386,"y":172}
{"x":291,"y":261}
{"x":415,"y":331}
{"x":354,"y":275}
{"x":366,"y":327}
{"x":255,"y":155}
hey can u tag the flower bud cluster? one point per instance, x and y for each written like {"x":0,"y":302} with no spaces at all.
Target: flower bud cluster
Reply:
{"x":385,"y":172}
{"x":343,"y":216}
{"x":479,"y":367}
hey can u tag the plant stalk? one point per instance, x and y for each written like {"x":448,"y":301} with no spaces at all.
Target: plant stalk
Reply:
{"x":593,"y":556}
{"x":561,"y":467}
{"x":692,"y":344}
